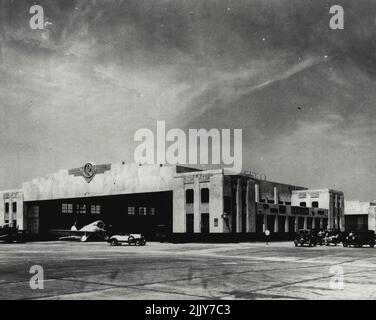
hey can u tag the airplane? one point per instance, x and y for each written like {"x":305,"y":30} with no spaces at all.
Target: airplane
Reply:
{"x":95,"y":229}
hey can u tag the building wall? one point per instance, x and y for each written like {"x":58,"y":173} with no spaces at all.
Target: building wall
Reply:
{"x":360,"y":215}
{"x":119,"y":179}
{"x":12,"y":197}
{"x":328,"y":199}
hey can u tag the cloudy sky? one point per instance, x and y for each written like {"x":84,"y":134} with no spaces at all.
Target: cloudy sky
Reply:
{"x":303,"y":94}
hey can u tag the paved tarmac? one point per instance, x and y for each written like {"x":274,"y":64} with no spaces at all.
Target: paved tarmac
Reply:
{"x":75,"y":270}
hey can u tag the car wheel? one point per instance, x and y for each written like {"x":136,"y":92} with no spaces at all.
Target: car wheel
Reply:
{"x":138,"y":242}
{"x":130,"y":240}
{"x":114,"y":242}
{"x":296,"y":244}
{"x":345,"y":245}
{"x":372,"y":245}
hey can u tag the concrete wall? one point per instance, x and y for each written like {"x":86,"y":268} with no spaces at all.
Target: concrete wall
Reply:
{"x":120,"y":179}
{"x":12,"y":196}
{"x":211,"y":179}
{"x":327,"y":199}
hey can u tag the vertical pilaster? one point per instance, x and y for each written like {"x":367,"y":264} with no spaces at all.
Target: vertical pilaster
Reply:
{"x":196,"y":206}
{"x":257,"y":193}
{"x":276,"y":223}
{"x":275,"y":195}
{"x":265,"y":225}
{"x":287,"y":224}
{"x":239,"y":206}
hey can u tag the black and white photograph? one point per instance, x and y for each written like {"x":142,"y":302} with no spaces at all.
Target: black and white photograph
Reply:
{"x":203,"y":151}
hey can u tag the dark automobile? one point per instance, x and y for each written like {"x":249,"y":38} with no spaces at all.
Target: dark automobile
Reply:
{"x":320,"y":237}
{"x":10,"y":233}
{"x":359,"y":239}
{"x":332,"y":237}
{"x":305,"y":236}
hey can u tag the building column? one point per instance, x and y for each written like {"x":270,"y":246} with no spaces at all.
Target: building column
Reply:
{"x":305,"y":223}
{"x":196,"y":206}
{"x":336,"y":222}
{"x":10,"y":212}
{"x":287,"y":224}
{"x":313,"y":222}
{"x":321,"y":223}
{"x":276,"y":223}
{"x":296,"y":225}
{"x":275,"y":195}
{"x":239,"y":206}
{"x":248,"y":208}
{"x":257,"y":193}
{"x":265,"y":225}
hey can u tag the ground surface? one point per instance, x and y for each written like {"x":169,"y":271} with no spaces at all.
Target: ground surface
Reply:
{"x":74,"y":270}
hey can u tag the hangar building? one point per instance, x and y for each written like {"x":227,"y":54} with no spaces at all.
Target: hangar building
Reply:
{"x":189,"y":204}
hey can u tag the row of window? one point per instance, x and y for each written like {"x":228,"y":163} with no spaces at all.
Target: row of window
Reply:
{"x":189,"y":195}
{"x":80,"y":208}
{"x":287,"y":203}
{"x":142,"y":211}
{"x":314,"y":204}
{"x":96,"y":209}
{"x":14,"y":207}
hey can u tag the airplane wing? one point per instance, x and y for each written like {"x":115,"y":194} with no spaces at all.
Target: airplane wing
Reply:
{"x":66,"y":232}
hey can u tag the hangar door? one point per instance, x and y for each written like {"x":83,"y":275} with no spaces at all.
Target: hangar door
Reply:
{"x":133,"y":213}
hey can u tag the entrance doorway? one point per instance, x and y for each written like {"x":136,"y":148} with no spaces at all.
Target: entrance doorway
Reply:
{"x":205,"y":223}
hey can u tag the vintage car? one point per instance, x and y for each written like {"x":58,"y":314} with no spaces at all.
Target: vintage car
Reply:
{"x":305,"y":237}
{"x":332,"y":237}
{"x":359,"y":239}
{"x":320,"y":237}
{"x":133,"y":238}
{"x":10,"y":233}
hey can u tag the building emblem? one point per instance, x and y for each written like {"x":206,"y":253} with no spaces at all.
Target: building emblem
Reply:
{"x":89,"y":170}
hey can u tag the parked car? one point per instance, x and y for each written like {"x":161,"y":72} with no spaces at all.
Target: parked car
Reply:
{"x":359,"y":239}
{"x":320,"y":237}
{"x":332,"y":237}
{"x":134,"y":238}
{"x":305,"y":236}
{"x":10,"y":233}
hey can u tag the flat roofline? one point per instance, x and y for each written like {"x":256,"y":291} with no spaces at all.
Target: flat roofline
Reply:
{"x":11,"y":190}
{"x":318,"y":190}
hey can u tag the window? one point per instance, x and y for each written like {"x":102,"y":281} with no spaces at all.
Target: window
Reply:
{"x":95,"y":209}
{"x":189,"y":196}
{"x":204,"y":195}
{"x":14,"y":206}
{"x":67,"y":208}
{"x":282,"y":209}
{"x":215,"y":222}
{"x":6,"y":207}
{"x":302,"y":204}
{"x":142,"y":211}
{"x":270,"y":201}
{"x":287,"y":203}
{"x":315,"y":204}
{"x":152,"y":211}
{"x":131,"y":210}
{"x":81,"y":208}
{"x":227,"y":204}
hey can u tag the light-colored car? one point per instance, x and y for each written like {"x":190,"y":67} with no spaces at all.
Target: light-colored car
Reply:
{"x":129,"y":238}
